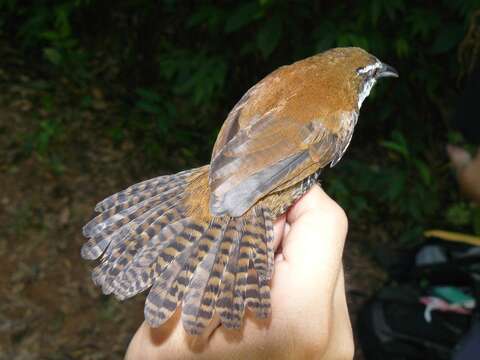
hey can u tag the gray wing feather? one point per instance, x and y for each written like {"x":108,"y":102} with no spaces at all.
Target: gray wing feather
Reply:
{"x":237,"y":200}
{"x":248,"y":167}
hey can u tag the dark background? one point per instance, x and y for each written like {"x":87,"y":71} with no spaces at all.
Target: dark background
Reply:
{"x":96,"y":95}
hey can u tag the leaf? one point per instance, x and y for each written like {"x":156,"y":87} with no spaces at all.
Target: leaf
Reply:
{"x":53,"y":55}
{"x":148,"y":95}
{"x":51,"y":35}
{"x":269,"y":36}
{"x":242,"y":15}
{"x":424,"y":171}
{"x":398,"y":144}
{"x":398,"y":148}
{"x":455,"y":137}
{"x":458,"y":214}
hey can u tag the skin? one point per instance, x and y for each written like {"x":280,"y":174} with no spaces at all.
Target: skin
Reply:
{"x":467,"y":170}
{"x":309,"y":313}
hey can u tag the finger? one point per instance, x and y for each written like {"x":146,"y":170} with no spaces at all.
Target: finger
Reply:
{"x":312,"y":250}
{"x":278,"y":231}
{"x":318,"y":227}
{"x":459,"y":157}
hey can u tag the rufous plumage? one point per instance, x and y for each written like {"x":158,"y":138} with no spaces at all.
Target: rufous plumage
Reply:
{"x":202,"y":239}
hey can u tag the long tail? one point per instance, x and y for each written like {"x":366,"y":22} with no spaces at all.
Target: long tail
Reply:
{"x":159,"y":234}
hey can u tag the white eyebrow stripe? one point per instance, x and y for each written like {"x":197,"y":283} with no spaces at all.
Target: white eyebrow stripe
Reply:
{"x":369,"y":67}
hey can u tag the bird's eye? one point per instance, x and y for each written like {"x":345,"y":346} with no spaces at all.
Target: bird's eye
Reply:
{"x":365,"y":70}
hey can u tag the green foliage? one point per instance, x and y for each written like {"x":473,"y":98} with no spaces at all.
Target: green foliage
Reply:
{"x":39,"y":142}
{"x":48,"y":27}
{"x":463,"y":215}
{"x":200,"y":77}
{"x":459,"y":214}
{"x":184,"y":64}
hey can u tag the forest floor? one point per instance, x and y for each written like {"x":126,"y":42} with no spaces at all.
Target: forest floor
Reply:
{"x":52,"y":173}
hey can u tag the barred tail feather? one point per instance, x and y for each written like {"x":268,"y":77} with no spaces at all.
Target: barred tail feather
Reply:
{"x":149,"y":235}
{"x":199,"y":301}
{"x":147,"y":188}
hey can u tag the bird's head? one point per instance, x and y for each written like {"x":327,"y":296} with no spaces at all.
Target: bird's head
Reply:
{"x":356,"y":70}
{"x":345,"y":76}
{"x":368,"y":74}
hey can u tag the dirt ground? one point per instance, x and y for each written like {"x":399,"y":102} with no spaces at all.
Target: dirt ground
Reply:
{"x":49,"y":307}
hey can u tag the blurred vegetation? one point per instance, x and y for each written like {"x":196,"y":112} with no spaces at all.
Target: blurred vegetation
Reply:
{"x":177,"y":67}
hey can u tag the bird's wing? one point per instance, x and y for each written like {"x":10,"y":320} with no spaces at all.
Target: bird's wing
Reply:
{"x":265,"y":155}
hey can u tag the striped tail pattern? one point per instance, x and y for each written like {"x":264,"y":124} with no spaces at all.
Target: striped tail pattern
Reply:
{"x":158,"y":234}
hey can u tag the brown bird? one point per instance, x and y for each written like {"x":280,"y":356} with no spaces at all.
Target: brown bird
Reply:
{"x":202,"y":238}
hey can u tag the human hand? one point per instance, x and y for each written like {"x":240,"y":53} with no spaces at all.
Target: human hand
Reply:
{"x":467,"y":170}
{"x":309,"y":317}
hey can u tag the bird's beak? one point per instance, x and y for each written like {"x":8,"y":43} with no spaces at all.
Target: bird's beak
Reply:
{"x":386,"y":71}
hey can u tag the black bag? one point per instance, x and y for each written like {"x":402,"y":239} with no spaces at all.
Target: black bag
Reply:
{"x":393,"y":324}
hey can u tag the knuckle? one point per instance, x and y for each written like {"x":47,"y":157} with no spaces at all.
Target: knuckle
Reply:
{"x":337,"y":214}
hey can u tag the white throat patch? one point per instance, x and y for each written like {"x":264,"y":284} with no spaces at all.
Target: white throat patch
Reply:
{"x":368,"y":85}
